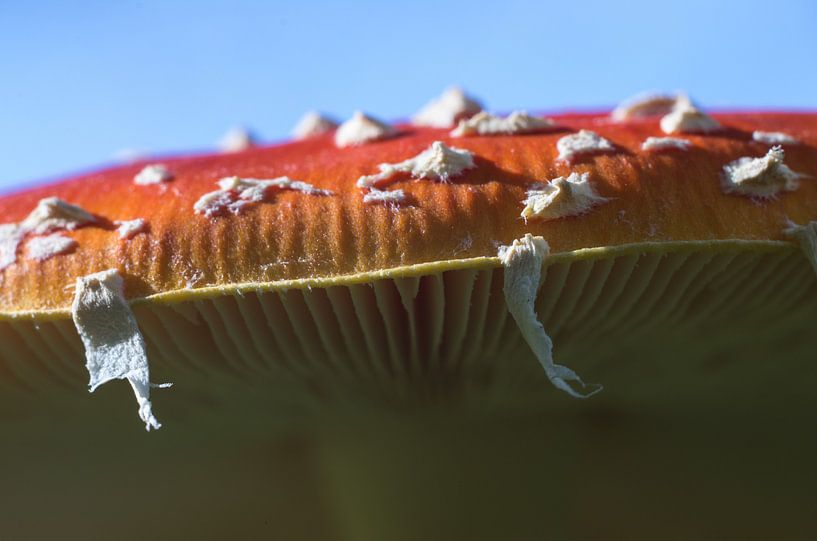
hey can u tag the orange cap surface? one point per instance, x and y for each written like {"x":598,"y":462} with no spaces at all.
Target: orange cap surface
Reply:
{"x":653,"y":197}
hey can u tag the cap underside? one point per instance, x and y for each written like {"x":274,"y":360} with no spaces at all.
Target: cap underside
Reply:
{"x":693,"y":330}
{"x":433,"y":333}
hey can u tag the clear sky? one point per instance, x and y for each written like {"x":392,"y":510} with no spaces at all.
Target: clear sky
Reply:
{"x":82,"y":80}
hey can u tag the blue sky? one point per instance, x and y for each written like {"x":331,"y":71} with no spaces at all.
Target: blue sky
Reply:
{"x":83,"y":80}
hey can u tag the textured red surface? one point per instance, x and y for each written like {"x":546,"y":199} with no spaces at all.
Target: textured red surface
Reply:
{"x":656,"y":197}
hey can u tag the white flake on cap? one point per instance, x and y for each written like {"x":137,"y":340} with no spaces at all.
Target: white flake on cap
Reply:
{"x":360,"y":129}
{"x":215,"y":202}
{"x":647,"y":105}
{"x":313,"y":124}
{"x":128,"y":229}
{"x":153,"y":174}
{"x":235,"y":193}
{"x":688,"y":120}
{"x":760,"y":177}
{"x":129,"y":155}
{"x":523,"y":262}
{"x":438,"y":162}
{"x":561,"y":197}
{"x":774,"y":138}
{"x":384,"y":196}
{"x":52,"y":214}
{"x":10,"y":237}
{"x":236,"y":139}
{"x":253,"y":189}
{"x":584,"y":142}
{"x":446,"y":110}
{"x":484,"y":123}
{"x":665,"y":143}
{"x":114,"y":347}
{"x":42,"y":248}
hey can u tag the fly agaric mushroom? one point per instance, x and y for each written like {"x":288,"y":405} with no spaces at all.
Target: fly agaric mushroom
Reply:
{"x":389,"y":256}
{"x":456,"y":265}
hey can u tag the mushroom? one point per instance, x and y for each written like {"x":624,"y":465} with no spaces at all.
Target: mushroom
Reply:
{"x":440,"y":308}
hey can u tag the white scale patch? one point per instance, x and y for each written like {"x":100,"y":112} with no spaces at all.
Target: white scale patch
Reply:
{"x":688,"y":120}
{"x":235,"y":193}
{"x":774,"y":138}
{"x":236,"y":139}
{"x":313,"y":124}
{"x":42,"y":248}
{"x":562,"y":196}
{"x":438,"y":162}
{"x":50,"y":214}
{"x":760,"y":177}
{"x":153,"y":174}
{"x":10,"y":237}
{"x":523,"y":262}
{"x":582,"y":143}
{"x":384,"y":196}
{"x":361,"y":129}
{"x":648,"y":105}
{"x":654,"y":144}
{"x":128,"y":229}
{"x":114,"y":347}
{"x":487,"y":124}
{"x":129,"y":155}
{"x":446,"y":110}
{"x":215,"y":202}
